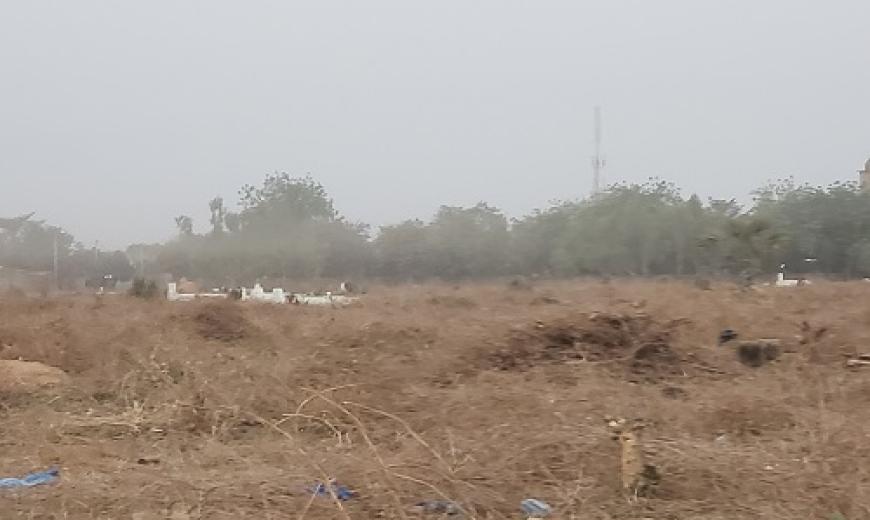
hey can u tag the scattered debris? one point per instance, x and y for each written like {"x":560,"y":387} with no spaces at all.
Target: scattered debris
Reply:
{"x":534,"y":508}
{"x":727,"y":335}
{"x":333,"y":488}
{"x":758,"y":352}
{"x":48,"y":476}
{"x":861,"y":360}
{"x":443,"y":507}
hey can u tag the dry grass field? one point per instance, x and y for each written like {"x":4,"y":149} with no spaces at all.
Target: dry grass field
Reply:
{"x":482,"y":394}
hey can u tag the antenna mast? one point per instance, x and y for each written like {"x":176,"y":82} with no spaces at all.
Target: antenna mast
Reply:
{"x":597,"y":161}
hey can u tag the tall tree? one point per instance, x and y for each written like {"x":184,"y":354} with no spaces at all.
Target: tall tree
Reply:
{"x":184,"y":225}
{"x":283,"y":201}
{"x":218,"y":214}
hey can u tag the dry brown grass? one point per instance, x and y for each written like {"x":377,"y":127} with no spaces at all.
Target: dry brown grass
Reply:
{"x":481,"y":394}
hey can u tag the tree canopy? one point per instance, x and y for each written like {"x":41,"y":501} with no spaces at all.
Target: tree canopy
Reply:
{"x":289,"y":227}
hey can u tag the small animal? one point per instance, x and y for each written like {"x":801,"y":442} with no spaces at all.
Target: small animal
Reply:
{"x":637,"y":476}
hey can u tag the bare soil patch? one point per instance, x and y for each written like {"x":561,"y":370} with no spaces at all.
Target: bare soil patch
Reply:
{"x":24,"y":377}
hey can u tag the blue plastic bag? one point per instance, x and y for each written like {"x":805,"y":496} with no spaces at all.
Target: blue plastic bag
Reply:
{"x":48,"y":476}
{"x":342,"y":493}
{"x":534,"y":508}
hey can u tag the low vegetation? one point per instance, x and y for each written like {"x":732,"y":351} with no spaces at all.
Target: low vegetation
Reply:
{"x":225,"y":410}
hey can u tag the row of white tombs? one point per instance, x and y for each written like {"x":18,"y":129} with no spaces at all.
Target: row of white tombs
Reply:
{"x":257,"y":294}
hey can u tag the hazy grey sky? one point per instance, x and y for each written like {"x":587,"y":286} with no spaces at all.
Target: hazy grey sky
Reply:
{"x":116,"y":116}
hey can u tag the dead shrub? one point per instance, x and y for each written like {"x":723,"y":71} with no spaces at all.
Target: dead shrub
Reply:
{"x":146,"y":289}
{"x":633,"y":341}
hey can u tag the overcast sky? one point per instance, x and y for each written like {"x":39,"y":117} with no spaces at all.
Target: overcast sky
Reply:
{"x":116,"y":116}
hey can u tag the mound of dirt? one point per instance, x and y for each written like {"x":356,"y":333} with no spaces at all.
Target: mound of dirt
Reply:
{"x":23,"y":377}
{"x":633,"y":341}
{"x":222,"y":322}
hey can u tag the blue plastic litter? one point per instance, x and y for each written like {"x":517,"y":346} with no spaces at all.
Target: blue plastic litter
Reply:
{"x":342,"y":493}
{"x":535,"y":508}
{"x":48,"y":476}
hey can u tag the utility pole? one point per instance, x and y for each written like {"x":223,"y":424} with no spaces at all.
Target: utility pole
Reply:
{"x":598,"y":161}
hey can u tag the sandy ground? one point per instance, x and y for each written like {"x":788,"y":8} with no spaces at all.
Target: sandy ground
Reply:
{"x":483,"y":394}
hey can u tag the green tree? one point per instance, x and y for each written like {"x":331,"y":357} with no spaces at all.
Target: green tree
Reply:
{"x":536,"y":238}
{"x":283,"y":201}
{"x":218,"y":214}
{"x":233,"y":222}
{"x":824,"y":223}
{"x":628,"y":229}
{"x":286,"y":228}
{"x":184,"y":225}
{"x":469,"y":242}
{"x":402,"y":251}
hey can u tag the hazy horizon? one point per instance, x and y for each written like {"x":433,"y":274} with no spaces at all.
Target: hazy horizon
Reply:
{"x":116,"y":118}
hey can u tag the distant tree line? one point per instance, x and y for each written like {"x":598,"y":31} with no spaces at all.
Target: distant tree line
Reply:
{"x":289,"y":228}
{"x":32,"y":245}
